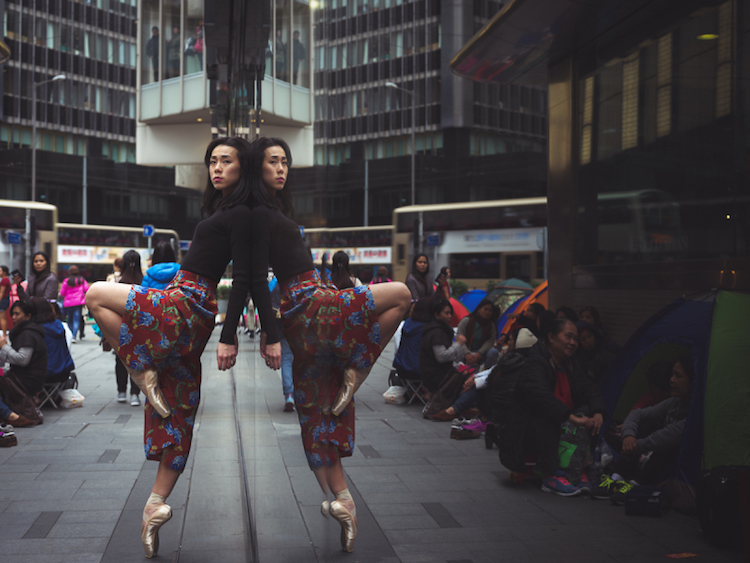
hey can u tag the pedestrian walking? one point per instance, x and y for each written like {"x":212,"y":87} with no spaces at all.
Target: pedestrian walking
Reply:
{"x":130,"y":273}
{"x":4,"y":299}
{"x":335,"y":335}
{"x":161,"y":334}
{"x":73,"y":292}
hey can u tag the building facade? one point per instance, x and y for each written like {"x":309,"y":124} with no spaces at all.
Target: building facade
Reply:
{"x":377,"y":63}
{"x":649,"y":190}
{"x":85,"y":122}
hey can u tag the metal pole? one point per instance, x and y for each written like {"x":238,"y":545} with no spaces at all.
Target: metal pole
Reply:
{"x":413,"y":146}
{"x":33,"y":177}
{"x":367,"y":190}
{"x":85,"y":210}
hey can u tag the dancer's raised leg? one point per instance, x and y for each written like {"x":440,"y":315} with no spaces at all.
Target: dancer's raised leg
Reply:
{"x":392,"y":301}
{"x":106,"y":302}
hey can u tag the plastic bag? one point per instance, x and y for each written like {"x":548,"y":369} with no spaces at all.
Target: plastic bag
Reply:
{"x":395,"y":395}
{"x":71,"y":398}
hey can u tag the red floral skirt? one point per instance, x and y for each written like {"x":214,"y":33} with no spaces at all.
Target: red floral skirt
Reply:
{"x":169,"y":329}
{"x":327,"y":330}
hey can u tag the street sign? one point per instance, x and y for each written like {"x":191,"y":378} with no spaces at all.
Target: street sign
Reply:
{"x":302,"y":231}
{"x":433,"y":240}
{"x":148,"y":231}
{"x":14,"y":238}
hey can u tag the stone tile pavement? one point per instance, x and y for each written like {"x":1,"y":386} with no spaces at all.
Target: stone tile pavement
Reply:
{"x":74,"y":487}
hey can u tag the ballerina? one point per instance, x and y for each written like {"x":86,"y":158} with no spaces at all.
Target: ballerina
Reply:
{"x":160,"y":334}
{"x":336,"y":336}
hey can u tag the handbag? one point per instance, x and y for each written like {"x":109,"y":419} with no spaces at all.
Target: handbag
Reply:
{"x":18,"y":400}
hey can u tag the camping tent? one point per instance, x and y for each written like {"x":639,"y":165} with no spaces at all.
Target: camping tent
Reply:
{"x":472,"y":298}
{"x":711,"y":327}
{"x":540,"y":295}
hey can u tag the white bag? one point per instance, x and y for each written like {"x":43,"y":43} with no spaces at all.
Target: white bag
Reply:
{"x":395,"y":395}
{"x":71,"y":398}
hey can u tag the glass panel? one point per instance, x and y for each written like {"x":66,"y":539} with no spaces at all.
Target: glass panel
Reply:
{"x":194,"y":41}
{"x":150,"y":60}
{"x":282,"y":35}
{"x":301,"y":44}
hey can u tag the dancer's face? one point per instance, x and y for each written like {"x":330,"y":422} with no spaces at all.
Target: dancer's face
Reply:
{"x":275,"y":169}
{"x":224,"y":169}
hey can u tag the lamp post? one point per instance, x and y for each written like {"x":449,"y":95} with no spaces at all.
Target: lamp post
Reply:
{"x":413,"y":153}
{"x":33,"y":165}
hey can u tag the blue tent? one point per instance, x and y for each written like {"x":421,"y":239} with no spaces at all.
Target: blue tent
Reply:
{"x":472,"y":298}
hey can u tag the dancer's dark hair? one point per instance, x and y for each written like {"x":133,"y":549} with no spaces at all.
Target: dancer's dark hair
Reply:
{"x":213,"y":200}
{"x":281,"y":199}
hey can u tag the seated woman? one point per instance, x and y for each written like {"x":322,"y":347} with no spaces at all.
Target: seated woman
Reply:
{"x":27,"y":356}
{"x":59,"y":361}
{"x":438,"y":351}
{"x":554,"y":390}
{"x":655,"y":430}
{"x":406,"y":361}
{"x":594,"y":358}
{"x":480,"y":331}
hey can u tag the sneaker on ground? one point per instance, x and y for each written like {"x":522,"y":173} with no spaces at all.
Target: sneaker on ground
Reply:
{"x":6,"y":428}
{"x":135,"y":401}
{"x":560,"y":485}
{"x":584,"y":484}
{"x":122,"y":397}
{"x":8,"y":440}
{"x":605,"y":488}
{"x":620,"y":490}
{"x":463,"y":434}
{"x":289,"y":403}
{"x":73,"y":341}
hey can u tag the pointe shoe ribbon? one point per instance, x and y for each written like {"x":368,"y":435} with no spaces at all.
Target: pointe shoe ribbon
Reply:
{"x":148,"y":381}
{"x":348,"y":525}
{"x":150,"y":534}
{"x":352,"y":381}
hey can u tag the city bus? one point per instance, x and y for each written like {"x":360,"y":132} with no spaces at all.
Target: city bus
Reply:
{"x":479,"y":241}
{"x":93,"y":248}
{"x":43,"y":218}
{"x":367,"y":247}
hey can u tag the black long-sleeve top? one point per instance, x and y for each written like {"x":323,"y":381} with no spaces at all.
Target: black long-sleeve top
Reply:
{"x":227,"y":235}
{"x":277,"y":241}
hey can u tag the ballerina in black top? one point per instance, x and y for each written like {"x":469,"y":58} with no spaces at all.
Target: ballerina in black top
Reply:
{"x":336,"y":336}
{"x":160,"y":334}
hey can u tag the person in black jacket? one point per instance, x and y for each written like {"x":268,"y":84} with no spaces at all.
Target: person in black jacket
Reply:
{"x":555,"y":390}
{"x":438,"y":351}
{"x":27,"y":355}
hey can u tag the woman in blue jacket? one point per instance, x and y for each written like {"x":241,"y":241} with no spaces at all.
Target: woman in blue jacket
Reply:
{"x":163,"y":267}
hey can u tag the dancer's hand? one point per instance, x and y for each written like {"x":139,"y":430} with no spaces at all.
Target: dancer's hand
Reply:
{"x":270,"y":352}
{"x":226,"y":355}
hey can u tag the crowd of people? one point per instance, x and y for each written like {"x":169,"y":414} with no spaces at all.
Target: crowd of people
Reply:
{"x":535,"y":392}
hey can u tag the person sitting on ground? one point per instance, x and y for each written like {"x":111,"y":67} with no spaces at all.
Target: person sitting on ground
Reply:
{"x":658,"y":381}
{"x":406,"y":361}
{"x":59,"y":361}
{"x":535,"y":313}
{"x":654,"y":432}
{"x":438,"y":351}
{"x":555,"y":390}
{"x":565,"y":312}
{"x":27,"y":355}
{"x":163,"y":267}
{"x":590,"y":314}
{"x":480,"y":330}
{"x":381,"y":276}
{"x":501,"y":344}
{"x":593,"y":357}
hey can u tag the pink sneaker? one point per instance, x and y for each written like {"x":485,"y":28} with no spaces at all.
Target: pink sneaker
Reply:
{"x":477,"y":426}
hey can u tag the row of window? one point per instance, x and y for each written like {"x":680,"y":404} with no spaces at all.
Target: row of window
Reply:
{"x":426,"y":143}
{"x":125,"y":8}
{"x":526,"y":99}
{"x":16,"y":137}
{"x":394,"y":121}
{"x":368,"y":14}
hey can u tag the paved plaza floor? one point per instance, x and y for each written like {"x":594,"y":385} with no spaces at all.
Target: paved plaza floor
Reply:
{"x":74,"y":488}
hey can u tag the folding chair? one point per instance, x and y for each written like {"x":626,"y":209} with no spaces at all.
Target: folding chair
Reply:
{"x":50,"y":392}
{"x":412,"y":382}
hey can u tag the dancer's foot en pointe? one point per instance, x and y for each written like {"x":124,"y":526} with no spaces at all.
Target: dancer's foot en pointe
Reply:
{"x":147,"y":381}
{"x":155,"y":515}
{"x":352,"y":381}
{"x":344,"y":511}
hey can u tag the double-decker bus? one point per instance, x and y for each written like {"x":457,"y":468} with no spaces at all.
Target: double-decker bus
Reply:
{"x":479,"y":241}
{"x":93,"y":248}
{"x":367,"y":247}
{"x":43,"y":225}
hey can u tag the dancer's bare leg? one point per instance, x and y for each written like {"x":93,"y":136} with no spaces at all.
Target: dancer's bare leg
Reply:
{"x":392,"y":301}
{"x":106,"y":302}
{"x":342,"y":507}
{"x":166,"y":479}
